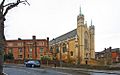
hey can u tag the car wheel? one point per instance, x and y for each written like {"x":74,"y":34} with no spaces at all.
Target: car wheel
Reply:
{"x":32,"y":66}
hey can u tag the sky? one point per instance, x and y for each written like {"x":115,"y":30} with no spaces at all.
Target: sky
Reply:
{"x":52,"y":18}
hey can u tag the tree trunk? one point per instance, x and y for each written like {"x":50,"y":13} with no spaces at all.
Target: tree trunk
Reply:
{"x":2,"y":41}
{"x":3,"y":11}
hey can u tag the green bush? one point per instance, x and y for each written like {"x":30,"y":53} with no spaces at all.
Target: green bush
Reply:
{"x":44,"y":58}
{"x":8,"y":56}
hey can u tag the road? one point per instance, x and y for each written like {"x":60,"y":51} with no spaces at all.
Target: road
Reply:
{"x":13,"y":69}
{"x":31,"y":71}
{"x":22,"y":70}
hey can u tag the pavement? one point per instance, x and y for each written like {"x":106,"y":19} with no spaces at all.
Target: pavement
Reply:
{"x":91,"y":70}
{"x":88,"y":70}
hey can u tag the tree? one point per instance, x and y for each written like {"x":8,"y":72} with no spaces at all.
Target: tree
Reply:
{"x":8,"y":56}
{"x":45,"y":59}
{"x":4,"y":8}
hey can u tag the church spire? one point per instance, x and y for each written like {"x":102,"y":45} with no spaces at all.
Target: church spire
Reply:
{"x":91,"y":22}
{"x":81,"y":12}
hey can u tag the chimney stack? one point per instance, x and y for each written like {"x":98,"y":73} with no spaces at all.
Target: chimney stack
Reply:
{"x":34,"y":37}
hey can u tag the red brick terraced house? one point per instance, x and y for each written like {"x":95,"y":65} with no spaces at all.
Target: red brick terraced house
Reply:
{"x":25,"y":49}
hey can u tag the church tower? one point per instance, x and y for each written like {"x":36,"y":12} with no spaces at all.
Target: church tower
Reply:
{"x":80,"y":31}
{"x":85,"y":40}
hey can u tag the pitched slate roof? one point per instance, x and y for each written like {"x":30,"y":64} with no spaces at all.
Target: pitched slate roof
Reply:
{"x":116,"y":50}
{"x":63,"y":37}
{"x":108,"y":50}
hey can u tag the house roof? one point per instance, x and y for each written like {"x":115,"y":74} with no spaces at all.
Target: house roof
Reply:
{"x":63,"y":37}
{"x":116,"y":50}
{"x":108,"y":50}
{"x":25,"y":40}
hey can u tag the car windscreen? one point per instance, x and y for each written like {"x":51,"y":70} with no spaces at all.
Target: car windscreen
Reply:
{"x":37,"y":62}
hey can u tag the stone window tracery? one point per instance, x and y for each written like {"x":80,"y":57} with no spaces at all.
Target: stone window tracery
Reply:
{"x":86,"y":43}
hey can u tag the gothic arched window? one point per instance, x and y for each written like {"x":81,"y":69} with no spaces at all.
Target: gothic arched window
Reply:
{"x":57,"y":49}
{"x":64,"y":48}
{"x":86,"y":43}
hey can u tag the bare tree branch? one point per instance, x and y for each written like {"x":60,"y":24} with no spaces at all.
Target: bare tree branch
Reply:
{"x":1,"y":6}
{"x":12,"y":5}
{"x":8,"y":4}
{"x":27,"y":2}
{"x":2,"y":3}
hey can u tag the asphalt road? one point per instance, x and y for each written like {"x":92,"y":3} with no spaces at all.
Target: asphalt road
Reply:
{"x":31,"y":71}
{"x":13,"y":69}
{"x":22,"y":70}
{"x":37,"y":71}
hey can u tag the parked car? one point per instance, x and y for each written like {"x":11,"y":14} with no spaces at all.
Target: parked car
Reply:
{"x":33,"y":63}
{"x":25,"y":62}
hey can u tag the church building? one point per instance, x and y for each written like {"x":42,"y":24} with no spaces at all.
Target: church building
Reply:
{"x":76,"y":46}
